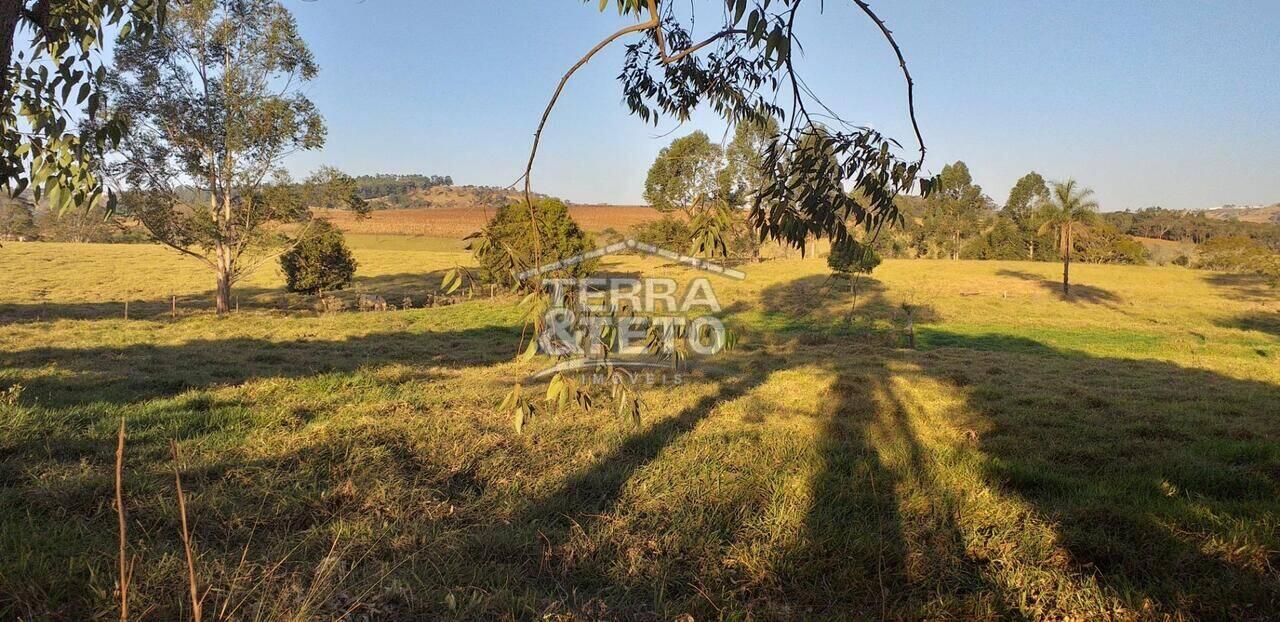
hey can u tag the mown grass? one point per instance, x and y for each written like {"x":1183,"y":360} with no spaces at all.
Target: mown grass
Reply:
{"x":1111,"y":455}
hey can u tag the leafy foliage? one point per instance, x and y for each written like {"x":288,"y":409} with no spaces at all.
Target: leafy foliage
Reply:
{"x":390,"y":185}
{"x":1179,"y":225}
{"x":952,"y":215}
{"x":741,"y":72}
{"x":850,"y":257}
{"x":665,"y":232}
{"x":507,"y":244}
{"x":56,"y":78}
{"x":1105,"y":244}
{"x":687,"y":174}
{"x":320,"y":262}
{"x":1239,"y":254}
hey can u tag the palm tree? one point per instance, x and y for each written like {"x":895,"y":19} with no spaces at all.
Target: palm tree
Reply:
{"x":1069,"y":209}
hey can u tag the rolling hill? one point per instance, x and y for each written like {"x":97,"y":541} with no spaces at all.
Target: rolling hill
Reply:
{"x":1267,"y":214}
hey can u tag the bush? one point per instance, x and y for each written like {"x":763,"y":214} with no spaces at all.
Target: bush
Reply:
{"x":506,"y":246}
{"x":667,"y":232}
{"x":1106,"y":244}
{"x":852,"y":257}
{"x":1231,"y":254}
{"x":321,"y":262}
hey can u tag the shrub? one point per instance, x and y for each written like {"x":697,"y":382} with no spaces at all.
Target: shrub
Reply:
{"x":1106,"y":244}
{"x":851,"y":258}
{"x":506,"y":246}
{"x":667,"y":232}
{"x":320,"y":262}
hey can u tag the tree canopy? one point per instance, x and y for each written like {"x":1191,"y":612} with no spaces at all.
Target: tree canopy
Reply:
{"x":215,"y":102}
{"x":57,"y":77}
{"x":686,"y":173}
{"x":744,"y":72}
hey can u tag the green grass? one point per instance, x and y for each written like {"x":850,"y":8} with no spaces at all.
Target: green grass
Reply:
{"x":1114,"y":454}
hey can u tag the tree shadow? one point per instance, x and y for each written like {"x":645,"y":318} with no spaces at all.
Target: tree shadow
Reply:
{"x":1150,"y":483}
{"x":393,"y":287}
{"x":1267,"y":323}
{"x":1251,"y":287}
{"x":1080,"y":293}
{"x":141,"y":372}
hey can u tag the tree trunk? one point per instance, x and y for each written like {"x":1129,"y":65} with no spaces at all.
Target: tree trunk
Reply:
{"x":1031,"y":250}
{"x":1066,"y":261}
{"x":222,"y":297}
{"x":10,"y":13}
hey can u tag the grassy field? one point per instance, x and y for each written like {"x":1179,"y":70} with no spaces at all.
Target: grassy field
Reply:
{"x":1114,"y":455}
{"x":457,"y":222}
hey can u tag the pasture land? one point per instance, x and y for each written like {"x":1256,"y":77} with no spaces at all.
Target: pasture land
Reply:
{"x":457,"y":222}
{"x":1111,"y":455}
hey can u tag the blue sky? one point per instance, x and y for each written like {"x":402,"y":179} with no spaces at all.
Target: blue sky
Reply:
{"x":1166,"y":103}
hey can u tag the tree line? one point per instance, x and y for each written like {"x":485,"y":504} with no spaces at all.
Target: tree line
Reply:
{"x":396,"y":185}
{"x":1195,"y":227}
{"x":961,"y":221}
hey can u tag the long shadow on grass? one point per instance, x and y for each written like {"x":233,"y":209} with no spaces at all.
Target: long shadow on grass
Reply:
{"x":1268,"y":323}
{"x":1080,"y":293}
{"x":393,"y":287}
{"x":1250,"y":287}
{"x":1161,"y":482}
{"x":140,"y":372}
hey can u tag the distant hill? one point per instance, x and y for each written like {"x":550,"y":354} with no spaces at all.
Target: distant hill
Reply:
{"x":1252,"y":213}
{"x":450,"y":197}
{"x":463,"y":198}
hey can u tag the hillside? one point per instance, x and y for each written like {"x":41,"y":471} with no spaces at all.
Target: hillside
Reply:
{"x":1268,"y":214}
{"x":447,"y":197}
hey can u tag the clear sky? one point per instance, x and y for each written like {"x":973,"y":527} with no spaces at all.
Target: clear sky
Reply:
{"x":1171,"y":103}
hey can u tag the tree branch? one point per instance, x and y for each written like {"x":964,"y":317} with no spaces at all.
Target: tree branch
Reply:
{"x":537,"y":135}
{"x":902,"y":62}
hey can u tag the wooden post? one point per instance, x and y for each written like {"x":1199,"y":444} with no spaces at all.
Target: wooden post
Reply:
{"x":237,"y":304}
{"x":126,"y":309}
{"x":173,"y":306}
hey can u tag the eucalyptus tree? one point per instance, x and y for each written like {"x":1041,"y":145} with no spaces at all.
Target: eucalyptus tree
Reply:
{"x":1069,"y":210}
{"x":214,"y":103}
{"x":955,"y":212}
{"x":1023,"y":208}
{"x":687,"y":175}
{"x":56,"y":76}
{"x":743,"y":70}
{"x":745,"y":158}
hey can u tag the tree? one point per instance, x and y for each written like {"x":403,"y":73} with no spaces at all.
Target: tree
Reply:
{"x":744,"y":72}
{"x":1002,"y":240}
{"x":506,"y":247}
{"x":50,"y":83}
{"x":955,"y":212}
{"x":666,"y":232}
{"x":1023,"y":208}
{"x":1106,"y":244}
{"x":850,"y":259}
{"x":319,"y":263}
{"x":686,"y":176}
{"x":214,"y":101}
{"x":1069,"y":210}
{"x":745,"y":157}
